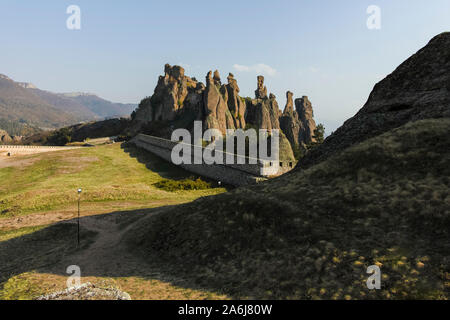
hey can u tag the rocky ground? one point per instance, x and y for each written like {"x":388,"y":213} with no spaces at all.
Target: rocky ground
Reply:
{"x":87,"y":291}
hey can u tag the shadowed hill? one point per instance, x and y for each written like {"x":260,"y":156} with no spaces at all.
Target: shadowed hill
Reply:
{"x":418,"y":89}
{"x":376,"y":192}
{"x":312,"y":234}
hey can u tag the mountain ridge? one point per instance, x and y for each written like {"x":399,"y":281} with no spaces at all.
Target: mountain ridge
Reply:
{"x":25,"y":103}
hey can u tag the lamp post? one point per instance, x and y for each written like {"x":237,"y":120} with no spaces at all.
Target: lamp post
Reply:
{"x":78,"y":222}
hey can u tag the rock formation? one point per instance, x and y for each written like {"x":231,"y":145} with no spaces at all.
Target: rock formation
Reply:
{"x":289,"y":121}
{"x":418,"y":89}
{"x":263,"y":112}
{"x":169,"y":93}
{"x":179,"y":100}
{"x":236,"y":104}
{"x":4,"y":137}
{"x":217,"y":114}
{"x":385,"y":200}
{"x":289,"y":108}
{"x":305,"y":114}
{"x":176,"y":97}
{"x":87,"y":291}
{"x":261,"y":91}
{"x":298,"y":124}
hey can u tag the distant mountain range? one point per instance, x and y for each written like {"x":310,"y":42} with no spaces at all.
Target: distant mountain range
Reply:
{"x":22,"y":102}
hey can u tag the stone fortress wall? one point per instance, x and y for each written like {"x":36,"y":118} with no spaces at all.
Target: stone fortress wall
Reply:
{"x":12,"y":150}
{"x":233,"y":174}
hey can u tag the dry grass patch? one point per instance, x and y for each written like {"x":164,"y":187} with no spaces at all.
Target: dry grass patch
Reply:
{"x":30,"y":285}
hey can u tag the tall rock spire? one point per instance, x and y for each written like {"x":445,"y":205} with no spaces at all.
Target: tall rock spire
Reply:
{"x":289,"y":108}
{"x":261,"y":91}
{"x":306,"y":116}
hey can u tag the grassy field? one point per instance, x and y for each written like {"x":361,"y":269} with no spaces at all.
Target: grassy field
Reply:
{"x":38,"y":201}
{"x":111,"y":178}
{"x":307,"y":235}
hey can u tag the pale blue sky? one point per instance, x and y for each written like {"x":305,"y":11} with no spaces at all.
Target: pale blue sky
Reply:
{"x":319,"y":48}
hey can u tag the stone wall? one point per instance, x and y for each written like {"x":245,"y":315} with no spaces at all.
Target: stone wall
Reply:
{"x":236,"y":175}
{"x":12,"y":150}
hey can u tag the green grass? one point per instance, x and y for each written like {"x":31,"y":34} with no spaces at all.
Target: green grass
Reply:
{"x":15,"y":233}
{"x":185,"y":184}
{"x":107,"y":174}
{"x":312,"y":234}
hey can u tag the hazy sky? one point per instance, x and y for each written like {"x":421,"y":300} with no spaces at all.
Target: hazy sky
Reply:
{"x":322,"y":49}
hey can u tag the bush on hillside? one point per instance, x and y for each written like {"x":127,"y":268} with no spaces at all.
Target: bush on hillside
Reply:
{"x":179,"y":185}
{"x":60,"y":137}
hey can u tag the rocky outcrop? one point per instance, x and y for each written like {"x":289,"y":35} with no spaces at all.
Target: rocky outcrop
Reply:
{"x":263,"y":112}
{"x":179,"y":100}
{"x":289,"y":121}
{"x":261,"y":91}
{"x":418,"y":89}
{"x":289,"y":108}
{"x":236,"y":104}
{"x":298,"y":124}
{"x":217,"y":114}
{"x":305,"y":114}
{"x":170,"y":93}
{"x":4,"y":137}
{"x":87,"y":291}
{"x":27,"y":85}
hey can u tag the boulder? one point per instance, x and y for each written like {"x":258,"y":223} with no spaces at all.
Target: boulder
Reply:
{"x":418,"y":89}
{"x":5,"y":137}
{"x":87,"y":291}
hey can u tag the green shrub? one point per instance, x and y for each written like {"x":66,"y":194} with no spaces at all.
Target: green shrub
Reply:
{"x":179,"y":185}
{"x":60,"y":137}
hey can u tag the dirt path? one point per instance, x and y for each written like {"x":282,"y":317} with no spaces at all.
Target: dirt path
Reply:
{"x":108,"y":256}
{"x":92,"y":209}
{"x":22,"y":161}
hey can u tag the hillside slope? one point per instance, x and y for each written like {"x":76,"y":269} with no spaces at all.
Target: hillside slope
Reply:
{"x":18,"y":103}
{"x":376,"y":192}
{"x":24,"y":103}
{"x":418,"y":89}
{"x":313,"y":233}
{"x":104,"y":108}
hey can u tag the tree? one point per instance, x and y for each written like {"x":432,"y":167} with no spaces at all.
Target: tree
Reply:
{"x":60,"y":137}
{"x":317,"y":138}
{"x":299,"y":151}
{"x":319,"y":134}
